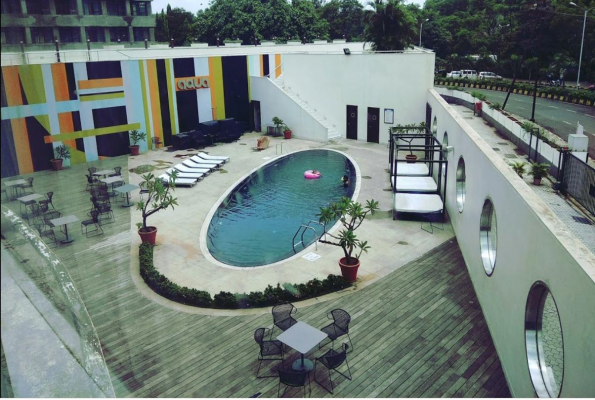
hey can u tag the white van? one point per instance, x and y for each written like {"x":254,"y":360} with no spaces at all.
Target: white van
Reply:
{"x":469,"y":74}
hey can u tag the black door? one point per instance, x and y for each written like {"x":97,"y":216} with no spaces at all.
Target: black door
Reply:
{"x":373,"y":125}
{"x":255,"y":116}
{"x":352,"y":122}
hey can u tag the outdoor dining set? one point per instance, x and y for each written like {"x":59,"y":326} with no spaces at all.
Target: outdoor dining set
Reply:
{"x":302,"y":338}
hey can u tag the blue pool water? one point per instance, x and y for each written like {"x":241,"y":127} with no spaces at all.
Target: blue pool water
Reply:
{"x":255,"y":224}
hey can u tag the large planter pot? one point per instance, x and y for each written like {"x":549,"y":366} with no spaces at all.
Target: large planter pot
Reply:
{"x":287,"y":134}
{"x":349,"y":272}
{"x":134,"y":150}
{"x":56,"y":164}
{"x":411,"y":158}
{"x":537,"y":181}
{"x":149,"y":235}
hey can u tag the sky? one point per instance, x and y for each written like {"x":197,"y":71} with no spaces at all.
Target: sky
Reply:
{"x":195,"y":5}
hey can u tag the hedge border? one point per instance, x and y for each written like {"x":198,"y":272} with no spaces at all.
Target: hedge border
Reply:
{"x":585,"y":97}
{"x":271,"y":296}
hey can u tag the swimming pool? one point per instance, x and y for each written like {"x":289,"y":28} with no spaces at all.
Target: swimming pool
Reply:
{"x":254,"y":225}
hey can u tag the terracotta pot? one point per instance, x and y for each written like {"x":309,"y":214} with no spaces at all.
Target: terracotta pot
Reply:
{"x":149,"y":235}
{"x":411,"y":158}
{"x":56,"y":164}
{"x":287,"y":134}
{"x":349,"y":272}
{"x":134,"y":150}
{"x":537,"y":181}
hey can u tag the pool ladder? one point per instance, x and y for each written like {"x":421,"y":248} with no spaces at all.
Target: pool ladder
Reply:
{"x":303,"y":229}
{"x":279,"y":148}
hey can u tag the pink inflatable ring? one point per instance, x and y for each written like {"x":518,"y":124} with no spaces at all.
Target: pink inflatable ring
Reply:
{"x":311,"y":175}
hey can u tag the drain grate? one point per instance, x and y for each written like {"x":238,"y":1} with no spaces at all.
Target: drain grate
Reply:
{"x":503,"y":143}
{"x":510,"y":156}
{"x":582,"y":220}
{"x":495,"y":149}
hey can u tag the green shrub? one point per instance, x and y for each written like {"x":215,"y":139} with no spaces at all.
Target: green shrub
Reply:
{"x":479,"y":96}
{"x":495,"y":106}
{"x":226,"y":300}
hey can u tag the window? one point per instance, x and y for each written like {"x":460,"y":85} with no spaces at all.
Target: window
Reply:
{"x":38,"y":7}
{"x":13,"y":35}
{"x":116,"y":7}
{"x":95,"y":34}
{"x":66,"y":7}
{"x":140,"y":34}
{"x":461,"y":184}
{"x":435,"y":127}
{"x":11,"y":7}
{"x":140,"y":8}
{"x":42,"y":35}
{"x":488,"y":236}
{"x":544,"y":341}
{"x":92,"y":7}
{"x":70,"y":35}
{"x":119,"y":33}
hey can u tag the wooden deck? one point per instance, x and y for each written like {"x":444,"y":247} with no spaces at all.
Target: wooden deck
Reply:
{"x":418,"y":332}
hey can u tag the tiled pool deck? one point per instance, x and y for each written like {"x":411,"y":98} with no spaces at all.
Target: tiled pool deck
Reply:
{"x":417,"y":327}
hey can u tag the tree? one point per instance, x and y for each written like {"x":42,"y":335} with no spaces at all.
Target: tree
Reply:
{"x":389,"y":25}
{"x":345,"y":18}
{"x":179,"y":23}
{"x":161,"y":28}
{"x":305,"y":22}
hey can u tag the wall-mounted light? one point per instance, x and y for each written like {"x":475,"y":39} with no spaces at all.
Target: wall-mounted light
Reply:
{"x":347,"y":51}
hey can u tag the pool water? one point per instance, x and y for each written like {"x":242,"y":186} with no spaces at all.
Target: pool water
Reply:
{"x":255,"y":224}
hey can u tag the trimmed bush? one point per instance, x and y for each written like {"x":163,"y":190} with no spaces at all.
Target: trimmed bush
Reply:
{"x":199,"y":298}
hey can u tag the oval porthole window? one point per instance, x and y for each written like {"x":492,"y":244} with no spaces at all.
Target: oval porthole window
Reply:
{"x":444,"y":151}
{"x":488,"y":236}
{"x":460,"y":185}
{"x":544,"y":342}
{"x":435,"y":127}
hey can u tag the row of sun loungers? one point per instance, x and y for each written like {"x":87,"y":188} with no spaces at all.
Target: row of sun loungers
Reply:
{"x":194,"y":169}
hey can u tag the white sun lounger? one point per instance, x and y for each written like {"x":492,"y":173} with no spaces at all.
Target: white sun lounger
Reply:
{"x":179,"y":181}
{"x":183,"y":168}
{"x":418,"y":203}
{"x":194,"y":175}
{"x":415,"y":183}
{"x":419,"y":169}
{"x":215,"y":158}
{"x":199,"y":160}
{"x":192,"y":164}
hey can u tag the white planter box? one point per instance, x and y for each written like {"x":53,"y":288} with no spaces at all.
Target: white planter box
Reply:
{"x":233,"y":44}
{"x":320,"y":42}
{"x":267,"y":43}
{"x":339,"y":41}
{"x":294,"y":43}
{"x":199,"y":45}
{"x":159,"y":46}
{"x":115,"y":46}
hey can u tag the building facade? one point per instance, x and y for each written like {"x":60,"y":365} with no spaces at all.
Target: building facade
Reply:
{"x":39,"y":23}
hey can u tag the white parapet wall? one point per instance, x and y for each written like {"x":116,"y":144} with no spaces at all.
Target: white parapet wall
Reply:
{"x":533,"y":245}
{"x":331,"y":82}
{"x":275,"y":103}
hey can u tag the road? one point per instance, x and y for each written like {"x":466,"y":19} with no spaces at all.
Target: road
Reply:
{"x":556,"y":116}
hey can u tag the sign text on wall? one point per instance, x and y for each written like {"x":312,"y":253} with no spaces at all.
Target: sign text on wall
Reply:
{"x":192,"y":83}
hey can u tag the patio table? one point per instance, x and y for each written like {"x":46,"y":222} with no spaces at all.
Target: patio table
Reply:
{"x":126,"y":189}
{"x":112,"y":179}
{"x":26,"y":199}
{"x":302,"y":337}
{"x":104,"y":172}
{"x":65,"y":220}
{"x":13,"y":186}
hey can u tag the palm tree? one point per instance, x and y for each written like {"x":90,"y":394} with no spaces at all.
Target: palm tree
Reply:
{"x":389,"y":26}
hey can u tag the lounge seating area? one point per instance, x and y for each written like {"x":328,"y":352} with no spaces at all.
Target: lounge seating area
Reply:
{"x":209,"y":133}
{"x":194,"y":169}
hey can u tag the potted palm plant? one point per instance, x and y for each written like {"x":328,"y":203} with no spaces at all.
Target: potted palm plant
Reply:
{"x":286,"y":132}
{"x":158,"y":198}
{"x":278,"y":122}
{"x":538,"y":171}
{"x":351,"y":214}
{"x":519,"y":167}
{"x":62,"y":153}
{"x":136,"y":136}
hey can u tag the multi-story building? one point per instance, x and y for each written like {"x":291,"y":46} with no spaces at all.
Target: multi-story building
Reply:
{"x":39,"y":23}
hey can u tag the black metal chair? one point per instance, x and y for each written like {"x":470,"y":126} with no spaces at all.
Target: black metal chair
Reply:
{"x":104,"y":209}
{"x":31,"y":211}
{"x":282,"y":317}
{"x":92,"y":181}
{"x":46,"y":233}
{"x":46,"y":202}
{"x":268,"y":350}
{"x":27,"y":185}
{"x":118,"y":171}
{"x":92,"y":170}
{"x":50,"y":215}
{"x":93,"y":221}
{"x":332,"y":360}
{"x":116,"y":194}
{"x":339,"y":327}
{"x":292,"y":378}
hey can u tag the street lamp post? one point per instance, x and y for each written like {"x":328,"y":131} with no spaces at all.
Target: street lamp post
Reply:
{"x":580,"y":59}
{"x":420,"y":29}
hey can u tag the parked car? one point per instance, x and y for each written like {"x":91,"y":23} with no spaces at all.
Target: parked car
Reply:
{"x":469,"y":74}
{"x":440,"y":72}
{"x":454,"y":74}
{"x":489,"y":75}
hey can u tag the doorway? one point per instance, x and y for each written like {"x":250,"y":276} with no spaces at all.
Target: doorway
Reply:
{"x":373,"y":125}
{"x":255,"y":122}
{"x":352,"y":122}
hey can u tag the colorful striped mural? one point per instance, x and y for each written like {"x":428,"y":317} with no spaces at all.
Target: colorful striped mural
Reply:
{"x":90,"y":107}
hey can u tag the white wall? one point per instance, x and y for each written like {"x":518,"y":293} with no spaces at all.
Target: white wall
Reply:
{"x":275,"y":103}
{"x":533,"y":245}
{"x":331,"y":82}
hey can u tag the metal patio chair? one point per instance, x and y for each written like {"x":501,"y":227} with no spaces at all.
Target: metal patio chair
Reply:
{"x":104,"y":209}
{"x":45,"y":232}
{"x":282,"y":317}
{"x":332,"y":360}
{"x":118,"y":171}
{"x":291,"y":378}
{"x":339,"y":327}
{"x":92,"y":170}
{"x":93,"y":221}
{"x":92,"y":181}
{"x":269,"y":349}
{"x":45,"y":203}
{"x":27,"y":185}
{"x":31,"y":211}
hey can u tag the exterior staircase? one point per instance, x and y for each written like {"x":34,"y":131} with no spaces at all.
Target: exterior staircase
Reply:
{"x":333,"y":133}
